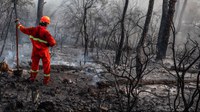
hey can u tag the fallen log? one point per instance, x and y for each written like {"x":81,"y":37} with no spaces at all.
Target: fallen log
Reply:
{"x":183,"y":70}
{"x":105,"y":84}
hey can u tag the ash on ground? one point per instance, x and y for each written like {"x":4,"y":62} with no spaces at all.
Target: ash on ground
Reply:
{"x":78,"y":87}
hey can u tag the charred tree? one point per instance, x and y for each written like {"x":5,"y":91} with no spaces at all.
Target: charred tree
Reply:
{"x":188,"y":57}
{"x":140,"y":56}
{"x":40,"y":10}
{"x":164,"y":33}
{"x":162,"y":28}
{"x":86,"y":7}
{"x":119,"y":50}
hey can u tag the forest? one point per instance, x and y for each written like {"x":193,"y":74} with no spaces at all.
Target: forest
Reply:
{"x":110,"y":56}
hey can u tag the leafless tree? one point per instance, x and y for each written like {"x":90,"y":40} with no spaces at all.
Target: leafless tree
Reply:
{"x":164,"y":33}
{"x":119,"y":49}
{"x":40,"y":10}
{"x":140,"y":56}
{"x":127,"y":90}
{"x":7,"y":25}
{"x":86,"y":6}
{"x":183,"y":62}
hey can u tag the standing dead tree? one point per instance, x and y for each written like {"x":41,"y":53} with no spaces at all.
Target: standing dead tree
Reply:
{"x":86,"y":6}
{"x":125,"y":83}
{"x":164,"y":33}
{"x":162,"y":28}
{"x":40,"y":10}
{"x":184,"y":61}
{"x":119,"y":51}
{"x":127,"y":92}
{"x":140,"y":50}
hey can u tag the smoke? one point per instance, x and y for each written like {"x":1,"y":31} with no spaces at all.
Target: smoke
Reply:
{"x":10,"y":58}
{"x":50,"y":6}
{"x":24,"y":55}
{"x":143,"y":4}
{"x":191,"y":17}
{"x":62,"y":59}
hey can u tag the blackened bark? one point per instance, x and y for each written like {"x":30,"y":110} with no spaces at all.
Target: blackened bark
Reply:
{"x":85,"y":33}
{"x":119,"y":50}
{"x":40,"y":10}
{"x":140,"y":56}
{"x":164,"y":32}
{"x":162,"y":28}
{"x":87,"y":6}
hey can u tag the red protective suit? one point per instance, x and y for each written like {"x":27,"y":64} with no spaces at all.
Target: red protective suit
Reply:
{"x":41,"y":40}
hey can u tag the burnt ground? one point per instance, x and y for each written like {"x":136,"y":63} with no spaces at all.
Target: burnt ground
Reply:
{"x":77,"y":89}
{"x":63,"y":94}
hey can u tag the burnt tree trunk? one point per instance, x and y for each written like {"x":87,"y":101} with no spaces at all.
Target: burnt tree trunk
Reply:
{"x":164,"y":32}
{"x":162,"y":28}
{"x":86,"y":7}
{"x":119,"y":50}
{"x":140,"y":56}
{"x":40,"y":10}
{"x":85,"y":33}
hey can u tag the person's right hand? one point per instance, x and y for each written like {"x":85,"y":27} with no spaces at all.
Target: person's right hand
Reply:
{"x":17,"y":21}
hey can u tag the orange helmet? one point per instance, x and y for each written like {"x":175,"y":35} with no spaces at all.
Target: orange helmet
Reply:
{"x":45,"y":19}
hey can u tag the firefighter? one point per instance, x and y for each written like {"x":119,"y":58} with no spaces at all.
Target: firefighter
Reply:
{"x":41,"y":41}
